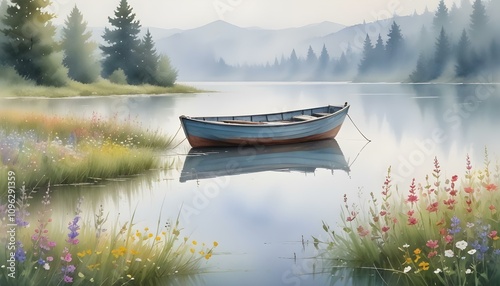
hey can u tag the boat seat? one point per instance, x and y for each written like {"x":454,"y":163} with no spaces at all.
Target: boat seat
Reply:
{"x":321,"y":114}
{"x":303,"y":117}
{"x":243,"y":122}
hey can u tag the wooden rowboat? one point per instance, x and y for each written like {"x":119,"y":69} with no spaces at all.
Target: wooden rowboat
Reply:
{"x":289,"y":127}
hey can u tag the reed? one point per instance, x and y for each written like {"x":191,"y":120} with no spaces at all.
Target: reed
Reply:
{"x":53,"y":248}
{"x":442,"y":231}
{"x":66,"y":150}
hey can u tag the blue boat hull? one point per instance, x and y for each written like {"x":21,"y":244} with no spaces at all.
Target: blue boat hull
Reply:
{"x":265,"y":129}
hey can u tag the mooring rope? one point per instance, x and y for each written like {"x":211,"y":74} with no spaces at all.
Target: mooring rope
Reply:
{"x":358,"y":128}
{"x":180,"y":126}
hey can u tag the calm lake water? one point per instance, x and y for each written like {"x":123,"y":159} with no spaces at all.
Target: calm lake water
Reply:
{"x":263,"y":208}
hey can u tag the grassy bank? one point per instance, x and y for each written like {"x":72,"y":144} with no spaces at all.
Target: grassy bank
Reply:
{"x":12,"y":85}
{"x":57,"y":248}
{"x":66,"y":150}
{"x":442,"y":231}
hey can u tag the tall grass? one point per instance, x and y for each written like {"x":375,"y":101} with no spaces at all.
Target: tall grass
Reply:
{"x":88,"y":249}
{"x":65,"y":150}
{"x":12,"y":85}
{"x":442,"y":231}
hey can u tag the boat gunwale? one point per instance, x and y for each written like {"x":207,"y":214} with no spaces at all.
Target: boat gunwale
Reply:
{"x":265,"y":123}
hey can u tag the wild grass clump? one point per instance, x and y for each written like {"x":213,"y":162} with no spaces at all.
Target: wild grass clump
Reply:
{"x":87,"y":249}
{"x":442,"y":231}
{"x":17,"y":87}
{"x":65,"y":150}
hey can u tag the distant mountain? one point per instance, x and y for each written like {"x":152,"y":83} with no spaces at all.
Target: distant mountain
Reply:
{"x":191,"y":50}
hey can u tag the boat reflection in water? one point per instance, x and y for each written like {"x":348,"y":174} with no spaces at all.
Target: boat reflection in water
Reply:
{"x":204,"y":163}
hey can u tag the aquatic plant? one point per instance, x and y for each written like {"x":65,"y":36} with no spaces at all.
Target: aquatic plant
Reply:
{"x":443,"y":231}
{"x":65,"y":150}
{"x":81,"y":248}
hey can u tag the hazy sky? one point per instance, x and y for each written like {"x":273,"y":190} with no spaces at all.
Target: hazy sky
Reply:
{"x":245,"y":13}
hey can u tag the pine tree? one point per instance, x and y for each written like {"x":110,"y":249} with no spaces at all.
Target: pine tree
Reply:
{"x":478,"y":20}
{"x":464,"y":64}
{"x":78,"y":51}
{"x":123,"y":44}
{"x":367,"y":60}
{"x":311,"y":58}
{"x":441,"y":17}
{"x":395,"y":44}
{"x":166,"y":75}
{"x":148,"y":60}
{"x":3,"y":39}
{"x":421,"y":72}
{"x":342,"y":64}
{"x":30,"y":46}
{"x":324,"y":59}
{"x":379,"y":56}
{"x":294,"y":61}
{"x":441,"y":55}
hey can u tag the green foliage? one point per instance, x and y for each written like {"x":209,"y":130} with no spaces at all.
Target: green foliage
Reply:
{"x":78,"y":51}
{"x":165,"y":75}
{"x":118,"y":77}
{"x":149,"y":60}
{"x":31,"y":46}
{"x":422,"y":72}
{"x":3,"y":39}
{"x":123,"y":43}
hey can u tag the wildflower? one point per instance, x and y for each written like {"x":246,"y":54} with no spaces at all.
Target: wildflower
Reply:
{"x":383,"y":213}
{"x":424,"y":265}
{"x":470,"y":225}
{"x":468,"y":271}
{"x":362,"y":231}
{"x":493,"y":235}
{"x":471,"y":252}
{"x":468,"y":190}
{"x":437,"y":271}
{"x":491,"y":187}
{"x":158,"y":238}
{"x":192,"y":250}
{"x":68,"y":279}
{"x":46,"y":266}
{"x":41,"y":261}
{"x":448,"y":238}
{"x":412,"y":221}
{"x":432,"y":244}
{"x":385,"y":228}
{"x":432,"y":254}
{"x":417,"y":251}
{"x":406,"y":245}
{"x":454,"y":178}
{"x":433,"y":207}
{"x":216,"y":243}
{"x":461,"y":244}
{"x":407,"y":269}
{"x":195,"y":242}
{"x":449,"y":253}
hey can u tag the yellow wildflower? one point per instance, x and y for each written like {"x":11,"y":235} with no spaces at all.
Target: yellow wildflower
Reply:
{"x":195,"y":242}
{"x":216,"y":243}
{"x":207,"y":257}
{"x":417,"y":251}
{"x":417,"y":258}
{"x":192,"y":250}
{"x":80,"y":254}
{"x":150,"y":235}
{"x":158,"y":238}
{"x":424,"y":265}
{"x":202,"y":253}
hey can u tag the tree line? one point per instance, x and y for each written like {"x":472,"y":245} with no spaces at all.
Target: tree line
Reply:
{"x":460,"y":43}
{"x":28,"y":45}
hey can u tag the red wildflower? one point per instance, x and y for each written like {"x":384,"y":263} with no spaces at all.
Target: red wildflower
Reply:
{"x":493,"y":235}
{"x":453,"y":192}
{"x":491,"y":187}
{"x":383,"y":213}
{"x":448,"y":238}
{"x":432,"y":207}
{"x":362,"y":231}
{"x":412,"y":221}
{"x":410,"y":212}
{"x":492,"y":208}
{"x":385,"y":228}
{"x":468,"y":190}
{"x":432,"y":254}
{"x":450,"y":203}
{"x":454,"y":178}
{"x":432,"y":244}
{"x":412,"y":198}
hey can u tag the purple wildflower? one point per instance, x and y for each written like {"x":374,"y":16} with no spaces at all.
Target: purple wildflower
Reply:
{"x":41,"y":261}
{"x":455,"y":226}
{"x":73,"y":227}
{"x":68,"y":279}
{"x":20,"y":254}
